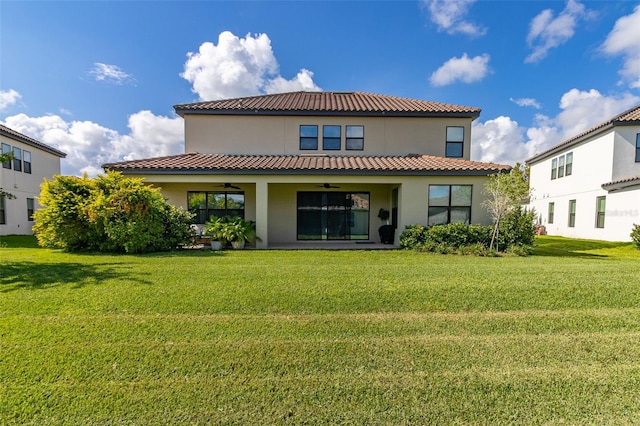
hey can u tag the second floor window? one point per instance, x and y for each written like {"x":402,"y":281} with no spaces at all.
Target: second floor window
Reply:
{"x":6,"y":149}
{"x":562,"y":166}
{"x":638,"y":148}
{"x":331,"y":136}
{"x":17,"y":159}
{"x":308,"y":137}
{"x":455,"y":142}
{"x":26,"y":161}
{"x":355,"y":138}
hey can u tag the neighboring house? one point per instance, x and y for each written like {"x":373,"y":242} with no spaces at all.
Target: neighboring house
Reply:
{"x":33,"y":161}
{"x":319,"y":166}
{"x":589,"y":185}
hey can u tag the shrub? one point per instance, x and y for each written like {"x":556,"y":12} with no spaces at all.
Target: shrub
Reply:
{"x":517,"y":228}
{"x":635,"y":235}
{"x":516,"y":231}
{"x":110,"y":213}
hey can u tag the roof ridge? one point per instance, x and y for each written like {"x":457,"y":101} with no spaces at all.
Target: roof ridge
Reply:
{"x":612,"y":121}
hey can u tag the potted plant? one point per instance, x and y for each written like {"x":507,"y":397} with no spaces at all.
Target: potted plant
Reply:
{"x":240,"y":231}
{"x":217,"y":230}
{"x":386,"y":231}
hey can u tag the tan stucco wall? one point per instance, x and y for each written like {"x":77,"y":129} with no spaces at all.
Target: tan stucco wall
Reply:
{"x":231,"y":134}
{"x":23,"y":185}
{"x":282,"y":193}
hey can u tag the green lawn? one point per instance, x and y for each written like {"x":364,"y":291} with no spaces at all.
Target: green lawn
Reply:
{"x":309,"y":337}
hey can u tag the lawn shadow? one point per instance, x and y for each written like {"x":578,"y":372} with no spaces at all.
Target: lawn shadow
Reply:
{"x":568,"y":247}
{"x":34,"y":276}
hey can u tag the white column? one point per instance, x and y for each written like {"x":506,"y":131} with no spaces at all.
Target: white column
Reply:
{"x":262,"y":214}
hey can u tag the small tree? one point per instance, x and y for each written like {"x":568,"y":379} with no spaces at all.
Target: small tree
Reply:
{"x":505,"y":193}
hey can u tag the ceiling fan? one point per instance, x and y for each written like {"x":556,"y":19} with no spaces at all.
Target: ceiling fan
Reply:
{"x":327,"y":186}
{"x":228,"y":186}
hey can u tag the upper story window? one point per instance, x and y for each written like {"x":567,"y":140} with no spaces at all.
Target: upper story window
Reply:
{"x":638,"y":148}
{"x":6,"y":149}
{"x":308,"y":137}
{"x":455,"y":141}
{"x":355,"y":138}
{"x":562,"y":166}
{"x":26,"y":161}
{"x":17,"y":159}
{"x":331,"y":138}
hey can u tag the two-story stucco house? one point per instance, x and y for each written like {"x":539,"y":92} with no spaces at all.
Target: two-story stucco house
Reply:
{"x":589,"y":185}
{"x":318,"y":166}
{"x":21,"y":177}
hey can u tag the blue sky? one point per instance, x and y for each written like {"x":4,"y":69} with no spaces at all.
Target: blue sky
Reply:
{"x":98,"y":79}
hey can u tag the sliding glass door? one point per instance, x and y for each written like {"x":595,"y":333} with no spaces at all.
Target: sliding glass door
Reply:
{"x":333,"y":216}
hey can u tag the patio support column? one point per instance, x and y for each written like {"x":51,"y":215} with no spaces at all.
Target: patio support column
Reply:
{"x":262,"y":214}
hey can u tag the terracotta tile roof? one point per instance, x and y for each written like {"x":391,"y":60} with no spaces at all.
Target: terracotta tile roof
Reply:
{"x":306,"y":164}
{"x":327,"y":102}
{"x":621,"y":183}
{"x":629,"y":117}
{"x":12,"y":134}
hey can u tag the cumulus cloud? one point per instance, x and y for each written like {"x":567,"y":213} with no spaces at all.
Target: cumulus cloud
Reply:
{"x":8,"y":98}
{"x":526,"y":102}
{"x":465,"y":69}
{"x":111,"y":74}
{"x":547,"y":32}
{"x":624,"y":40}
{"x":89,"y":145}
{"x":503,"y":140}
{"x":450,"y":16}
{"x":237,"y":67}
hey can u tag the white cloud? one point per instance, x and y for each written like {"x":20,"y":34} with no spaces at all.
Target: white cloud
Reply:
{"x":237,"y":67}
{"x":111,"y":74}
{"x":89,"y":145}
{"x":526,"y":102}
{"x":465,"y":69}
{"x":8,"y":98}
{"x":547,"y":32}
{"x":624,"y":40}
{"x":449,"y":16}
{"x":502,"y":140}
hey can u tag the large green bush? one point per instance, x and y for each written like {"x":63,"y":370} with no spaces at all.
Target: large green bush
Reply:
{"x":635,"y":235}
{"x":517,"y":228}
{"x":110,"y":213}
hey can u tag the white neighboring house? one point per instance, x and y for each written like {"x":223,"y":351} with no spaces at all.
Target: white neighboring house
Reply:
{"x":589,"y":185}
{"x":33,"y":161}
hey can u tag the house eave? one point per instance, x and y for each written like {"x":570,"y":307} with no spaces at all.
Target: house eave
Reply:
{"x":218,"y":172}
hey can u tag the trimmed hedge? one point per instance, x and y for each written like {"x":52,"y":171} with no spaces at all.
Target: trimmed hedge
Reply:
{"x":517,"y":232}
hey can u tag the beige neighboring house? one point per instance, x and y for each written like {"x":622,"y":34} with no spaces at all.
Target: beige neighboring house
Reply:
{"x":33,"y":161}
{"x":316,"y":167}
{"x":588,"y":186}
